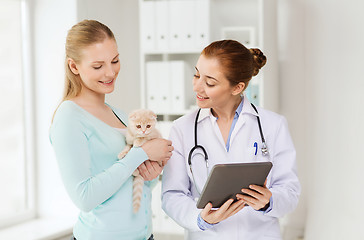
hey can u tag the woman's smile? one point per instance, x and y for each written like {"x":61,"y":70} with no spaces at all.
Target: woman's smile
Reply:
{"x":107,"y":83}
{"x":199,"y":97}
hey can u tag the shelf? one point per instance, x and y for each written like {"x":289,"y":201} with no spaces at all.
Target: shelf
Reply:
{"x":187,"y":51}
{"x":252,"y":22}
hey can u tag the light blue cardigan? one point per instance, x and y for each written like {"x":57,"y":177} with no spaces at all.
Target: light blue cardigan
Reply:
{"x":98,"y":183}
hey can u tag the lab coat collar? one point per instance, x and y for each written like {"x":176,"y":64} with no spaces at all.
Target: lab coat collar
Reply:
{"x":204,"y":113}
{"x":247,"y":109}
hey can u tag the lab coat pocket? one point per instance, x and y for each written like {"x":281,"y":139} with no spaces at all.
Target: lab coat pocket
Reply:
{"x":256,"y":155}
{"x":251,"y":154}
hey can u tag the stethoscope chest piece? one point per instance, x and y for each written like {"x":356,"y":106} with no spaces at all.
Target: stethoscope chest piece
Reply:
{"x":264,"y":147}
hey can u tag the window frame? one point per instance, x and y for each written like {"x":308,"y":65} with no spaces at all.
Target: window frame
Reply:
{"x":29,"y":124}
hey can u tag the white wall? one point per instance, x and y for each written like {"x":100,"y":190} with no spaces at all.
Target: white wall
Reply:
{"x":123,"y":19}
{"x":334,"y":67}
{"x":52,"y":19}
{"x":321,"y":47}
{"x":292,"y":98}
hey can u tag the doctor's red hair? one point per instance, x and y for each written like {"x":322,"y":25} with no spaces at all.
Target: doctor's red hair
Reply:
{"x":239,"y":63}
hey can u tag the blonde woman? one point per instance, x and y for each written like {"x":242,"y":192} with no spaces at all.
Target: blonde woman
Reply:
{"x":86,"y":137}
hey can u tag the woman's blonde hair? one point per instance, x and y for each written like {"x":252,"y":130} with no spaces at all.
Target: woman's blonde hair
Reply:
{"x":80,"y":36}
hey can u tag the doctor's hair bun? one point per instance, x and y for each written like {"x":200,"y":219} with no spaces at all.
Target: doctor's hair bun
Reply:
{"x":259,"y":59}
{"x":238,"y":63}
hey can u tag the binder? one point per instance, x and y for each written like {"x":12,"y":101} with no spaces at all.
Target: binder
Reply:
{"x":147,"y":18}
{"x":158,"y":87}
{"x":169,"y":86}
{"x":243,"y":34}
{"x":202,"y":19}
{"x":177,"y":85}
{"x":181,"y":86}
{"x":176,"y":22}
{"x":181,"y":25}
{"x":164,"y":93}
{"x":162,"y":22}
{"x":187,"y":8}
{"x":152,"y":85}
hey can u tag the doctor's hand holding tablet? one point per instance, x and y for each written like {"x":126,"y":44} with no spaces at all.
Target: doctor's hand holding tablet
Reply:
{"x":213,"y":145}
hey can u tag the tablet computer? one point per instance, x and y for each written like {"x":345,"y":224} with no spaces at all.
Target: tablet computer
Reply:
{"x":226,"y":180}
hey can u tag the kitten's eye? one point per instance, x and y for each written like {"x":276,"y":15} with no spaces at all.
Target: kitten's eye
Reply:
{"x":138,"y":126}
{"x":148,"y":126}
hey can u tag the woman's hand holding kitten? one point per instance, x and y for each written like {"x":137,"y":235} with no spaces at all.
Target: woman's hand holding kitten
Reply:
{"x":158,"y":149}
{"x":149,"y":170}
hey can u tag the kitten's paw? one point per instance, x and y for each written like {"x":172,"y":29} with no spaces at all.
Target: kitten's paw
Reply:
{"x":122,"y":154}
{"x":136,"y":173}
{"x":138,"y":142}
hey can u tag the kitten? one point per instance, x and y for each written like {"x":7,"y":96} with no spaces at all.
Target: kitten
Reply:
{"x":141,"y":129}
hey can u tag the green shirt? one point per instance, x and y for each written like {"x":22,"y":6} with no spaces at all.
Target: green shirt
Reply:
{"x":98,"y":183}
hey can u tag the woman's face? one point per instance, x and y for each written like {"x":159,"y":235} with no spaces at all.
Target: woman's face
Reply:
{"x":99,"y":67}
{"x":212,"y":88}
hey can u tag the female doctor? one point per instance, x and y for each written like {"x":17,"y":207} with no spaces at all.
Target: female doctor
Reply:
{"x":228,"y":130}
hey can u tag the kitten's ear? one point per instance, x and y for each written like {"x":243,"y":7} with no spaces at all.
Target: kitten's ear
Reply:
{"x":132,"y":115}
{"x":153,"y":116}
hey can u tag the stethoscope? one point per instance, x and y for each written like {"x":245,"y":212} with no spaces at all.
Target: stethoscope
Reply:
{"x":264,"y":147}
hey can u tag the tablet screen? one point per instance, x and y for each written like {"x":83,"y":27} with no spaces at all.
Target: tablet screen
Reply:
{"x":227,"y":180}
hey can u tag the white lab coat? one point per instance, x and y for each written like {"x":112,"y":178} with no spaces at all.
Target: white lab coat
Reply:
{"x":179,"y":195}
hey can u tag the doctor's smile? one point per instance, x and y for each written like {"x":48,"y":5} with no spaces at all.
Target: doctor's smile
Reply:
{"x":201,"y":98}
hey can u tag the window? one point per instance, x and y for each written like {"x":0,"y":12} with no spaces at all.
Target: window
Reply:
{"x":16,"y":154}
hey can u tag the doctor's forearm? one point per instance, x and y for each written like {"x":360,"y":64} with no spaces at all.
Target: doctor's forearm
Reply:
{"x":181,"y":209}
